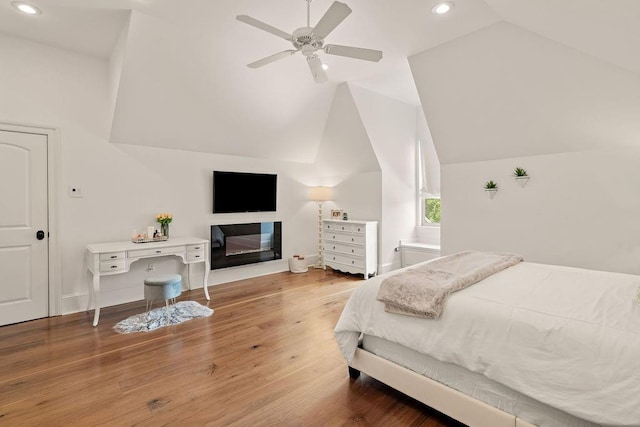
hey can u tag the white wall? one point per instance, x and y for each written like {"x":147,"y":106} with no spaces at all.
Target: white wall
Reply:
{"x":391,"y":127}
{"x":368,"y":154}
{"x":505,"y":92}
{"x":125,"y":186}
{"x":577,"y":209}
{"x":504,"y":97}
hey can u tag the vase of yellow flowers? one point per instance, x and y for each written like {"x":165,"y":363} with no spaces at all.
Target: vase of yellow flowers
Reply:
{"x":164,"y":219}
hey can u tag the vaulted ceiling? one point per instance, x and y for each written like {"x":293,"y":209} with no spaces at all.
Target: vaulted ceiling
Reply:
{"x":178,"y":69}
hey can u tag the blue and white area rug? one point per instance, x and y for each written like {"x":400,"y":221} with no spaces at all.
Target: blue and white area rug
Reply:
{"x":157,"y":318}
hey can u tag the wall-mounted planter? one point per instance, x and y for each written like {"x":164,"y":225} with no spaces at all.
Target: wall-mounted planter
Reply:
{"x":522,"y":180}
{"x":491,"y":192}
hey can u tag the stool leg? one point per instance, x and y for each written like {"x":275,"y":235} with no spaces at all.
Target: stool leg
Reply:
{"x":167,"y":304}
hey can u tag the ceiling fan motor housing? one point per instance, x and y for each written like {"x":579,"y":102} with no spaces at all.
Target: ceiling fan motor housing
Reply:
{"x":304,"y":40}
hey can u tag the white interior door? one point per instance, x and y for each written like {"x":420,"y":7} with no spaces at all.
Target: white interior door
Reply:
{"x":24,"y":278}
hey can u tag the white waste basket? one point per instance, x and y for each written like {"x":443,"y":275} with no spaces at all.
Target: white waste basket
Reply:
{"x":298,"y":264}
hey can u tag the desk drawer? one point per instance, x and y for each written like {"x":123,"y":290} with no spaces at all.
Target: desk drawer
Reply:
{"x":110,"y":256}
{"x":117,"y":265}
{"x":195,"y":256}
{"x":195,"y":248}
{"x":139,"y":253}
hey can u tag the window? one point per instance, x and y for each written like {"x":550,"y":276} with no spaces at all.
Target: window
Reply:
{"x":428,"y":183}
{"x":431,"y":210}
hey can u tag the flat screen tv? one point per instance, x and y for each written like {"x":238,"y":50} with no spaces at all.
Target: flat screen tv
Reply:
{"x":244,"y":192}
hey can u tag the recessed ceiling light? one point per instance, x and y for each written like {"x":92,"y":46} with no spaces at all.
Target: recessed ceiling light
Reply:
{"x":26,"y":8}
{"x":442,"y":8}
{"x":325,"y":67}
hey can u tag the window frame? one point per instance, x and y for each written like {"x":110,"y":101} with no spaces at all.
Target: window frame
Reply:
{"x":422,"y":194}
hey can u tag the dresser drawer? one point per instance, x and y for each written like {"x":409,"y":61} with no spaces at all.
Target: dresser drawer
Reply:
{"x":345,"y":226}
{"x":139,"y":253}
{"x":344,"y":238}
{"x":344,"y":249}
{"x":345,"y":260}
{"x":195,"y":256}
{"x":110,"y":256}
{"x":117,"y":265}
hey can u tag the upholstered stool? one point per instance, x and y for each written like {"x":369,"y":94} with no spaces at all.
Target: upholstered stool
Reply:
{"x":164,"y":286}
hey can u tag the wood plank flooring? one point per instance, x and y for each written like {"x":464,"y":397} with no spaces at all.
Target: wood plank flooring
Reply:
{"x":266,"y":357}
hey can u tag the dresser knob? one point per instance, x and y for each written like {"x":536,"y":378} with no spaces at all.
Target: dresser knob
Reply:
{"x":352,"y":239}
{"x":353,"y":262}
{"x":352,"y":250}
{"x":114,"y":266}
{"x":114,"y":256}
{"x":158,"y":252}
{"x":334,"y":248}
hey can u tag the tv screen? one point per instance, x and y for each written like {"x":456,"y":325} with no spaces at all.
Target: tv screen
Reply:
{"x":244,"y":192}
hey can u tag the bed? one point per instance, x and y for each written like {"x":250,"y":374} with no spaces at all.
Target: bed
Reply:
{"x":531,"y":345}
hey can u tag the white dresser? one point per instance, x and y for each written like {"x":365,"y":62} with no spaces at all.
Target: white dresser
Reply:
{"x":351,"y":246}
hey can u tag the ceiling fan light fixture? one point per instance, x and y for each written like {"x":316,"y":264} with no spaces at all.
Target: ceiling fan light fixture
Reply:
{"x":308,"y":40}
{"x":442,"y":8}
{"x":26,"y":8}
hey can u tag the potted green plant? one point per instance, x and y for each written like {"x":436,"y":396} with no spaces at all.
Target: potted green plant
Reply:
{"x":491,"y":188}
{"x":520,"y":176}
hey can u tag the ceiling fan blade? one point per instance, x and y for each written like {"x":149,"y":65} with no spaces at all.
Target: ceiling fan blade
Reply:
{"x":336,"y":13}
{"x":354,"y":52}
{"x":269,"y":59}
{"x":264,"y":27}
{"x":315,"y":64}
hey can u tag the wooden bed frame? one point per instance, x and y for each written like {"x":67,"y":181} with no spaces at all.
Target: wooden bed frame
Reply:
{"x":447,"y":400}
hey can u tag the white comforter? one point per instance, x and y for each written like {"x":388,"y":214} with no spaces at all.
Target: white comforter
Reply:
{"x":567,"y":337}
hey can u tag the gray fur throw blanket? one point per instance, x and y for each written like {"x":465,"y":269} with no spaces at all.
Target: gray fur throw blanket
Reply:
{"x":422,"y":291}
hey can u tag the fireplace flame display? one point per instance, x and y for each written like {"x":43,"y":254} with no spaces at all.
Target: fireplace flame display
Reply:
{"x":240,"y":244}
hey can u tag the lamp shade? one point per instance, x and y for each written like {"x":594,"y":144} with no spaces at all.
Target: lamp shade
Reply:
{"x":320,"y":194}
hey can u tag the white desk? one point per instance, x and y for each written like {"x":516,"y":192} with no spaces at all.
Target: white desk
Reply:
{"x":105,"y":259}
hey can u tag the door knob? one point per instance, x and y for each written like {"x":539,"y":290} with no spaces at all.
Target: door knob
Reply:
{"x":40,"y":235}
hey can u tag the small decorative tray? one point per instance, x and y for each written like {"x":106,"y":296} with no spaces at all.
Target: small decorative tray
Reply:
{"x":157,"y":239}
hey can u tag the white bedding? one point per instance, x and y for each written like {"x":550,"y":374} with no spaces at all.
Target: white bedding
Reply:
{"x":567,"y":337}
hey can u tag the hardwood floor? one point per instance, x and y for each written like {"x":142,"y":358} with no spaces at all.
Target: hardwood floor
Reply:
{"x":266,"y":357}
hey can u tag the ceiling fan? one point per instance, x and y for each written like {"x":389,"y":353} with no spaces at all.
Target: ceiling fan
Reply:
{"x":309,"y":40}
